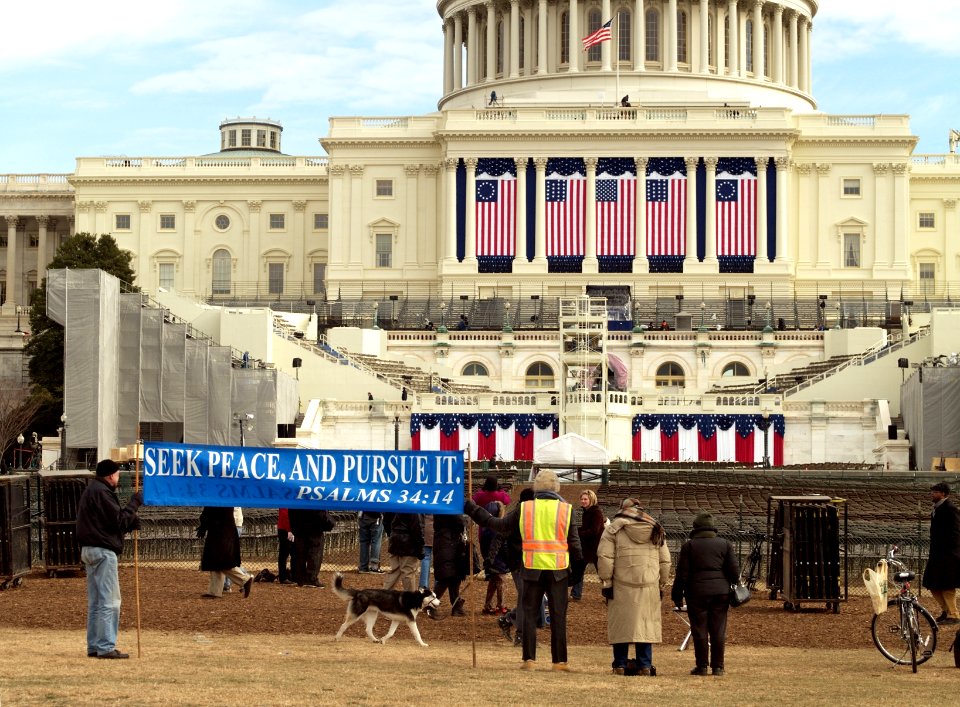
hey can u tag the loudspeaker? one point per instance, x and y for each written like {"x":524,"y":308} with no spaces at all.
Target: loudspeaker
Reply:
{"x":891,"y":431}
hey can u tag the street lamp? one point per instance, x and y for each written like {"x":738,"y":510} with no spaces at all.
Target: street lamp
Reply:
{"x":766,"y":437}
{"x":376,"y":309}
{"x":19,"y":447}
{"x":507,"y":329}
{"x":63,"y":440}
{"x":396,"y":432}
{"x":769,"y":310}
{"x":19,"y":311}
{"x":703,"y":310}
{"x":245,"y":422}
{"x":442,"y":329}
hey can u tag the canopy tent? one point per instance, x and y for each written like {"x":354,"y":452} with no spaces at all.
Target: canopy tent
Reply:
{"x":571,"y":452}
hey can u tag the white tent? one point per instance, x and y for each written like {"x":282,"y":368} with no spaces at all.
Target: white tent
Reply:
{"x":571,"y":449}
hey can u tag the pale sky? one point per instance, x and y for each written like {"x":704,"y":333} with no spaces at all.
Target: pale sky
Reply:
{"x":105,"y":77}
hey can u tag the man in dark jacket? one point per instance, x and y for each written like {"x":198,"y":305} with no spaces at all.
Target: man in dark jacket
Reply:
{"x":942,"y":576}
{"x":706,"y":569}
{"x":404,"y":549}
{"x":221,"y":551}
{"x":550,"y":544}
{"x":308,"y":526}
{"x":101,"y":525}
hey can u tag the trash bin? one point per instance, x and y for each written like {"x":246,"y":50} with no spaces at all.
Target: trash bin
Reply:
{"x":14,"y":529}
{"x":806,"y":566}
{"x":61,"y":493}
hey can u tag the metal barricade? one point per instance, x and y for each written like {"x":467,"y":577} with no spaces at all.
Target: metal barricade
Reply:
{"x":61,"y":494}
{"x":14,"y":530}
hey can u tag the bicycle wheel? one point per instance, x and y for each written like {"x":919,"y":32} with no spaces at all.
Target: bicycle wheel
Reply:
{"x":913,"y":632}
{"x":892,"y":634}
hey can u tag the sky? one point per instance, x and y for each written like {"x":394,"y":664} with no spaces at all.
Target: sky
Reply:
{"x":106,"y":77}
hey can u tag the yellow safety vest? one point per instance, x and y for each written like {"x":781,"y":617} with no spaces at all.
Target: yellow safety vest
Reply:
{"x":544,"y":523}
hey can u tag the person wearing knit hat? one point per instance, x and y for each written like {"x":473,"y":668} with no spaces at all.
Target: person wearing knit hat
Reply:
{"x":705,"y":570}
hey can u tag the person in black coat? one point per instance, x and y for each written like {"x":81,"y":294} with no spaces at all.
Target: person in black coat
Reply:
{"x":450,"y":559}
{"x":706,"y":569}
{"x":942,"y":574}
{"x":404,"y":549}
{"x":221,"y":551}
{"x":308,"y":526}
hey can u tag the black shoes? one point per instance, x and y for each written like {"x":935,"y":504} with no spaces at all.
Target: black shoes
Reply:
{"x":505,"y":627}
{"x":718,"y":672}
{"x":114,"y":655}
{"x":947,"y":621}
{"x":699,"y":671}
{"x":246,"y":587}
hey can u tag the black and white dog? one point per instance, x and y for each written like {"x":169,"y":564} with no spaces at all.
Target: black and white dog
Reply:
{"x":396,"y":606}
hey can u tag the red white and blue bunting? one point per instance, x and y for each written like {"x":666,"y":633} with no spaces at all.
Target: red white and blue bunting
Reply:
{"x":507,"y":437}
{"x":699,"y":438}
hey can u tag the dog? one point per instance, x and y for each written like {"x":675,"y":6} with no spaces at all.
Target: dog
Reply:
{"x":395,"y":605}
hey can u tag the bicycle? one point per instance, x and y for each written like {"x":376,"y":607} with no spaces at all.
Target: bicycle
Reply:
{"x":906,"y":632}
{"x":751,"y":569}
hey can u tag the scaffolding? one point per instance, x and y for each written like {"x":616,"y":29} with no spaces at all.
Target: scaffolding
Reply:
{"x":584,"y":367}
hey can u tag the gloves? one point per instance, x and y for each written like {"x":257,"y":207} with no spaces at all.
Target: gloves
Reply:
{"x":136,"y":500}
{"x":469,"y":507}
{"x":607,"y":592}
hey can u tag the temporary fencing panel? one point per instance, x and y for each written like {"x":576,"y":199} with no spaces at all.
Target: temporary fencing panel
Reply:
{"x":61,"y":495}
{"x":14,"y":529}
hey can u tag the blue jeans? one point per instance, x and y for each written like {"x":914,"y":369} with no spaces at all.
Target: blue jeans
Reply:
{"x":425,"y":565}
{"x":103,"y":599}
{"x":371,"y":537}
{"x":644,"y":655}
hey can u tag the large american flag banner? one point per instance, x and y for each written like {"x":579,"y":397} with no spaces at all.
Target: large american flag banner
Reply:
{"x":666,"y":206}
{"x":496,"y":200}
{"x":736,"y":206}
{"x":616,"y":196}
{"x":566,"y":192}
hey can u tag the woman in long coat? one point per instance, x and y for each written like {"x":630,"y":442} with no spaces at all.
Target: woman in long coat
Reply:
{"x":634,"y":566}
{"x":449,"y":557}
{"x":591,"y":528}
{"x":221,"y":551}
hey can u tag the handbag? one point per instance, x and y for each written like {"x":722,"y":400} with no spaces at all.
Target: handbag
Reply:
{"x":739,"y":594}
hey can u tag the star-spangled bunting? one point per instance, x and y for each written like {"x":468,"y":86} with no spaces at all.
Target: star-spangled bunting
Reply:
{"x":496,"y":207}
{"x":566,"y":187}
{"x":736,"y":206}
{"x":666,"y":206}
{"x":616,"y":206}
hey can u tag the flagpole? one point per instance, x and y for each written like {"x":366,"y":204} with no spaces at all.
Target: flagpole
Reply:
{"x":615,"y":50}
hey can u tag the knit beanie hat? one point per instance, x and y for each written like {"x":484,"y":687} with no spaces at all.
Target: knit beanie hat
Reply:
{"x":107,"y":467}
{"x":703,"y":520}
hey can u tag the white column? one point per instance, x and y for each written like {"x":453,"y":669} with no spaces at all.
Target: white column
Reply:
{"x":639,"y":37}
{"x":719,"y":41}
{"x":883,"y":232}
{"x":447,"y":56}
{"x":762,"y":257}
{"x":413,"y":215}
{"x":901,"y":215}
{"x":758,"y":39}
{"x":691,"y":216}
{"x":590,"y":262}
{"x":710,"y":237}
{"x":824,"y":194}
{"x":804,"y":60}
{"x":542,"y":38}
{"x":608,"y":49}
{"x":794,"y":51}
{"x":734,"y":23}
{"x":540,"y":237}
{"x":640,"y":262}
{"x":806,"y":233}
{"x":809,"y":67}
{"x":470,"y":232}
{"x":450,"y":225}
{"x":521,"y":214}
{"x":42,"y":257}
{"x":670,"y":43}
{"x":704,"y":36}
{"x":13,"y":289}
{"x":491,"y":42}
{"x":574,"y":37}
{"x":339,"y":219}
{"x":514,"y":38}
{"x":776,"y":40}
{"x":473,"y":47}
{"x":457,"y":52}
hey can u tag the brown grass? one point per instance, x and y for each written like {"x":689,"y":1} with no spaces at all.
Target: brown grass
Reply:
{"x":48,"y":667}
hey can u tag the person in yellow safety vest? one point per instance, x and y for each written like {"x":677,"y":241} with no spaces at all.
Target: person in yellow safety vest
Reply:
{"x":550,"y":544}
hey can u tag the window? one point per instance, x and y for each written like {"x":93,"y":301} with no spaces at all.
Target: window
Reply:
{"x":669,"y":375}
{"x":624,"y":36}
{"x":321,"y":222}
{"x":711,"y":59}
{"x":384,"y":188}
{"x":749,"y":48}
{"x":523,"y":44}
{"x":926,"y":220}
{"x":273,"y":139}
{"x":319,"y":275}
{"x":726,"y":41}
{"x":277,"y":222}
{"x":122,"y":222}
{"x":275,"y":275}
{"x":245,"y":135}
{"x":168,"y":222}
{"x":233,"y":138}
{"x":653,"y":35}
{"x":222,"y":222}
{"x":540,"y":376}
{"x":475,"y":369}
{"x":222,"y":265}
{"x":851,"y":250}
{"x":564,"y":37}
{"x":593,"y":24}
{"x":3,"y":239}
{"x":735,"y":369}
{"x":500,"y":40}
{"x":927,"y":276}
{"x":166,"y":275}
{"x":766,"y":51}
{"x":482,"y":68}
{"x":384,"y":256}
{"x":261,"y":138}
{"x":682,"y":37}
{"x":851,"y":186}
{"x":34,"y":240}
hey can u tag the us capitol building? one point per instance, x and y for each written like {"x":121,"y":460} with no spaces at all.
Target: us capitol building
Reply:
{"x":657,"y":242}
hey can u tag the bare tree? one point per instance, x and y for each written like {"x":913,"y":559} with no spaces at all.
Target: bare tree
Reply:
{"x":18,"y":409}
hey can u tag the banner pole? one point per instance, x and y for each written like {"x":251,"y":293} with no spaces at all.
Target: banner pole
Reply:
{"x":136,"y":537}
{"x":473,"y":604}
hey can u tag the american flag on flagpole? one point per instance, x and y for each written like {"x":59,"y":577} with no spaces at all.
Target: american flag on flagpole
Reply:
{"x":496,"y":207}
{"x":603,"y":34}
{"x":666,"y":206}
{"x":566,"y":191}
{"x":616,"y":198}
{"x":736,"y":206}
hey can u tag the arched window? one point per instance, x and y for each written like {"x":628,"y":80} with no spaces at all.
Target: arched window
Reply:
{"x":682,"y":37}
{"x":475,"y":369}
{"x":593,"y":24}
{"x":669,"y":374}
{"x":652,"y":25}
{"x":523,"y":44}
{"x":539,"y":376}
{"x":222,"y":266}
{"x":625,"y":36}
{"x":564,"y":37}
{"x":749,"y":44}
{"x":500,"y":40}
{"x":735,"y":369}
{"x":766,"y":50}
